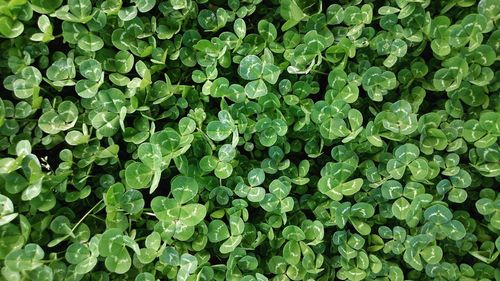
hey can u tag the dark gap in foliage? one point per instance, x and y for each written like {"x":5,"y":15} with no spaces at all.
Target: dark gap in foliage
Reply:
{"x":51,"y":155}
{"x":58,"y":43}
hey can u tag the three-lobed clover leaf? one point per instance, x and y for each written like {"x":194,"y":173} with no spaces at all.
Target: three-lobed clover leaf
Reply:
{"x":258,"y":72}
{"x":269,"y":130}
{"x":253,"y":191}
{"x":378,"y":83}
{"x":172,"y":210}
{"x":354,"y":214}
{"x":455,"y":186}
{"x":54,"y":121}
{"x":189,"y":99}
{"x":118,"y":199}
{"x":484,"y":132}
{"x":113,"y":246}
{"x":277,"y":200}
{"x":419,"y":250}
{"x":405,"y":156}
{"x":27,"y":85}
{"x":25,"y":259}
{"x":232,"y":237}
{"x":152,"y":250}
{"x":221,"y":129}
{"x":398,"y":237}
{"x":334,"y":181}
{"x":440,"y":223}
{"x":341,"y":87}
{"x":399,"y":119}
{"x":83,"y":256}
{"x":488,"y":206}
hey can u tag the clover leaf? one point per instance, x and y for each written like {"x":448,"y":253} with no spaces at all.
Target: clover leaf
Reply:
{"x":258,"y":72}
{"x":28,"y":258}
{"x":64,"y":118}
{"x":418,"y":250}
{"x":378,"y":82}
{"x":7,"y":214}
{"x":249,"y":140}
{"x":113,"y":246}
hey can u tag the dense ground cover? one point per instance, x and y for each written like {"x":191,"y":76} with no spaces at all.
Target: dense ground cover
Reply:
{"x":249,"y":140}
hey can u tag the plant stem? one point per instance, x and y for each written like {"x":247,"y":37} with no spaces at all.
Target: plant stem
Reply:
{"x":88,"y":213}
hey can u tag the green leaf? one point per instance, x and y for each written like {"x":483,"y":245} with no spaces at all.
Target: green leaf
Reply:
{"x":120,"y":262}
{"x":61,"y":225}
{"x":138,"y":175}
{"x":271,"y":73}
{"x":53,"y":122}
{"x":80,"y":8}
{"x":283,"y":140}
{"x":250,"y":68}
{"x":7,"y":213}
{"x":10,"y":28}
{"x":165,"y":209}
{"x":217,"y":231}
{"x":91,"y":69}
{"x":145,"y":5}
{"x":256,"y":177}
{"x":256,"y":89}
{"x":401,"y":208}
{"x":132,"y":202}
{"x":279,"y":188}
{"x":77,"y":253}
{"x":184,"y":189}
{"x":230,"y":244}
{"x":218,"y":131}
{"x":192,"y":214}
{"x":27,"y":258}
{"x":438,"y":214}
{"x":223,"y":170}
{"x":90,"y":43}
{"x":432,"y":254}
{"x":240,"y":29}
{"x":293,"y":233}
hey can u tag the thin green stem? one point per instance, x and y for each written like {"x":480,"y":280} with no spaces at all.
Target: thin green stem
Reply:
{"x":88,"y":213}
{"x":98,"y":218}
{"x":212,"y":144}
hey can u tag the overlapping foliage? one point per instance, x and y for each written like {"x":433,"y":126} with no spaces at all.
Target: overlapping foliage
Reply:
{"x":249,"y":140}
